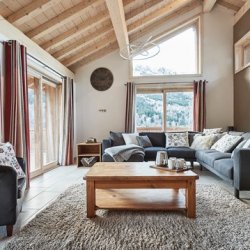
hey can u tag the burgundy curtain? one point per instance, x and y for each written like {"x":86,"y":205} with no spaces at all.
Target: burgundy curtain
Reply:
{"x":130,"y":108}
{"x":67,"y":130}
{"x":15,"y":101}
{"x":199,"y":105}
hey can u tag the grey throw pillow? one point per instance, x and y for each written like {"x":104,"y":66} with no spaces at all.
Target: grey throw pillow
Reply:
{"x":117,"y":138}
{"x":144,"y":141}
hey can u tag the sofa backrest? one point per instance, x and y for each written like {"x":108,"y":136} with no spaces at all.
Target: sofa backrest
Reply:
{"x":158,"y":139}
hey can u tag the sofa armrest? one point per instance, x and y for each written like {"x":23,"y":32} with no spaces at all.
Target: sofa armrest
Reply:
{"x":241,"y":160}
{"x":8,"y":195}
{"x":106,"y":143}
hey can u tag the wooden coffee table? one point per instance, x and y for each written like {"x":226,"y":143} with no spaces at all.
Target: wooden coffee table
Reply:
{"x":136,"y":186}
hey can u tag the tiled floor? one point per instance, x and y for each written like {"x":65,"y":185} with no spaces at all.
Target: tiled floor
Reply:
{"x":44,"y":190}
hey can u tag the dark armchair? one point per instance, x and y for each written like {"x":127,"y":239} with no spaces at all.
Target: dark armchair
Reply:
{"x":11,"y":195}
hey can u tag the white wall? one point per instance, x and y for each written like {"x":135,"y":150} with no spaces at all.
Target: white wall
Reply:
{"x":217,"y":69}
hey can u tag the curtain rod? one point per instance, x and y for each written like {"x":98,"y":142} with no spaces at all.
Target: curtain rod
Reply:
{"x":45,"y":65}
{"x":151,"y":83}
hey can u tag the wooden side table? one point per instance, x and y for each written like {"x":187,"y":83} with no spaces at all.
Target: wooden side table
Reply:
{"x":88,"y":150}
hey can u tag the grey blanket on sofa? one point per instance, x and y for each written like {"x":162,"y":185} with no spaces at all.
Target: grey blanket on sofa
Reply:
{"x":124,"y":152}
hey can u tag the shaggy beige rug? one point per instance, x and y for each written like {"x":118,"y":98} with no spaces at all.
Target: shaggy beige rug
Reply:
{"x":222,"y":222}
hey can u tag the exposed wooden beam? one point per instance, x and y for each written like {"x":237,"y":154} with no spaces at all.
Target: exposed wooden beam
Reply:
{"x":26,"y":10}
{"x":208,"y":5}
{"x":61,"y":18}
{"x":117,"y":15}
{"x":142,"y":9}
{"x":228,"y":5}
{"x":83,"y":42}
{"x":109,"y":38}
{"x":156,"y":15}
{"x":71,"y":33}
{"x":88,"y":24}
{"x":133,"y":36}
{"x":242,"y":11}
{"x":97,"y":54}
{"x":127,"y":2}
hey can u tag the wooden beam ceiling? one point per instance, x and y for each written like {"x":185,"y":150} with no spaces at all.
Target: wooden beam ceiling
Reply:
{"x":26,"y":10}
{"x":61,"y":18}
{"x":108,"y":38}
{"x":72,"y":34}
{"x":156,"y":15}
{"x":242,"y":11}
{"x":78,"y":29}
{"x":142,"y":9}
{"x":228,"y":5}
{"x":146,"y":30}
{"x":117,"y":15}
{"x":83,"y":41}
{"x":194,"y":4}
{"x":95,"y":55}
{"x":208,"y":5}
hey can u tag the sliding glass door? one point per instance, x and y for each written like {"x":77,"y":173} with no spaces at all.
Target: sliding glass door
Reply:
{"x":44,"y":109}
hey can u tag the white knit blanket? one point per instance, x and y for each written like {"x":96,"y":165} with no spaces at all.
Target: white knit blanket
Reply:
{"x":124,"y":152}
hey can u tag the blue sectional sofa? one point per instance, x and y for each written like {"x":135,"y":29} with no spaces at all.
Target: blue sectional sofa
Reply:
{"x":234,"y":169}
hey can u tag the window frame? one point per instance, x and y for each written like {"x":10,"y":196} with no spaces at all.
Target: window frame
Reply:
{"x":161,"y":89}
{"x":195,"y":21}
{"x":44,"y":79}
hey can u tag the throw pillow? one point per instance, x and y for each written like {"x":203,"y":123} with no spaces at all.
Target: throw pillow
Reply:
{"x":208,"y":131}
{"x":144,"y":141}
{"x":117,"y":138}
{"x":243,"y":144}
{"x":130,"y":138}
{"x":8,"y":158}
{"x":177,"y":139}
{"x":226,"y":143}
{"x":203,"y":141}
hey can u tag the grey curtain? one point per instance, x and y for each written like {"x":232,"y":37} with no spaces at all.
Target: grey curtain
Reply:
{"x":130,"y":108}
{"x":67,"y":125}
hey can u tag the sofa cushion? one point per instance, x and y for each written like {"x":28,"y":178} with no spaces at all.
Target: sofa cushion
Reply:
{"x":191,"y":135}
{"x":225,"y":167}
{"x":181,"y":152}
{"x":130,"y":138}
{"x":178,"y":139}
{"x":116,"y":138}
{"x":209,"y":131}
{"x":227,"y":143}
{"x":209,"y":156}
{"x":158,"y":139}
{"x":203,"y":141}
{"x":144,"y":141}
{"x":150,"y":153}
{"x":8,"y":158}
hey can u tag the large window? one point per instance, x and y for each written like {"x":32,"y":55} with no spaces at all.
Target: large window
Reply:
{"x":44,"y":107}
{"x":179,"y":54}
{"x":164,"y":109}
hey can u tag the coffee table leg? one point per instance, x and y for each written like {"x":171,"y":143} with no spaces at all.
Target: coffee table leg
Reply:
{"x":191,"y":199}
{"x":90,"y":199}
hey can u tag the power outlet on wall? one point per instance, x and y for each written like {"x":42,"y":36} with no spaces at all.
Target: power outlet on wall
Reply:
{"x":102,"y":110}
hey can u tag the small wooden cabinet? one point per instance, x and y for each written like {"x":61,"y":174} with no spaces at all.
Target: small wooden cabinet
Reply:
{"x":88,"y":150}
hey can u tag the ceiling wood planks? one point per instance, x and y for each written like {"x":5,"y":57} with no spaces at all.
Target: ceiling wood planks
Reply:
{"x":26,"y":10}
{"x":61,"y":18}
{"x":77,"y":32}
{"x":208,"y":5}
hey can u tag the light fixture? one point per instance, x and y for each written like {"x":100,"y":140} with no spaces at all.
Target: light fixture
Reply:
{"x":140,"y":50}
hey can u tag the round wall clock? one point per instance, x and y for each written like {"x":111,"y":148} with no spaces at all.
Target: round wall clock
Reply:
{"x":101,"y":79}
